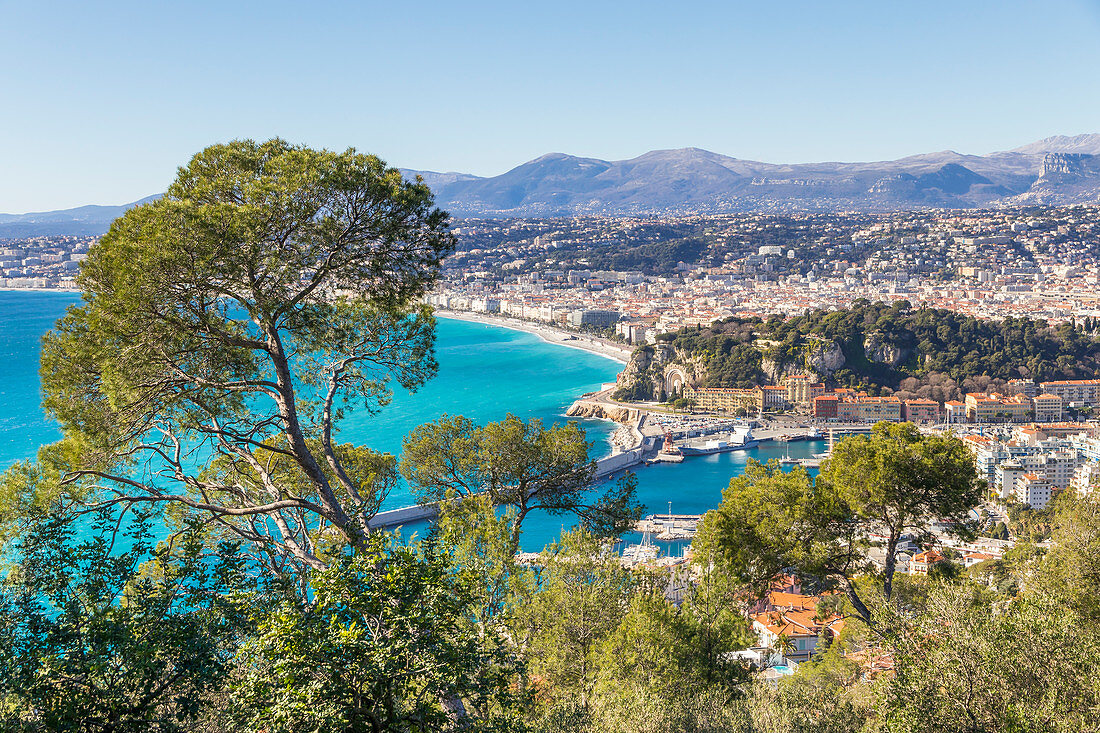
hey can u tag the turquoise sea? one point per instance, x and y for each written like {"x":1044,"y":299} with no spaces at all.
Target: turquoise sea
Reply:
{"x":484,"y":373}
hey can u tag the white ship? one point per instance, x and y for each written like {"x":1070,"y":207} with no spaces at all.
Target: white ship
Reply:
{"x":739,"y":439}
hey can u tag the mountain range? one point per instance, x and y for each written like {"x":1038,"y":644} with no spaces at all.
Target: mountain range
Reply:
{"x":1056,"y":170}
{"x":83,"y":220}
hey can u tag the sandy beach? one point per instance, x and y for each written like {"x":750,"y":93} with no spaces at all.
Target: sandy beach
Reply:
{"x":549,"y":334}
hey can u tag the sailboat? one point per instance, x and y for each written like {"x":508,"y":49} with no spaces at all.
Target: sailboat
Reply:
{"x":646,"y":551}
{"x":786,"y":460}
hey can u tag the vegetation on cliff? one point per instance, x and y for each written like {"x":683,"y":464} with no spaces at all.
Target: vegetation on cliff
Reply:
{"x":886,"y":348}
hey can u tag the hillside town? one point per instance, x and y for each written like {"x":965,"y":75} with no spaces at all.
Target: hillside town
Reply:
{"x":1038,"y":262}
{"x":42,"y":263}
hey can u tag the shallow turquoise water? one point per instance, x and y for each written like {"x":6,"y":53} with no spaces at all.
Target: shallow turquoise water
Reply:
{"x":484,"y":373}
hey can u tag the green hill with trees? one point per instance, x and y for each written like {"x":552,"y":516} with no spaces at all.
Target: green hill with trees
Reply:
{"x":886,"y":348}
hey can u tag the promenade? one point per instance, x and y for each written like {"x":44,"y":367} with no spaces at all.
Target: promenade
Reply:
{"x":561,"y":337}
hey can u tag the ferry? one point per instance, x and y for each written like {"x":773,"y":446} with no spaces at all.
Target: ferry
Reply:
{"x":739,"y":439}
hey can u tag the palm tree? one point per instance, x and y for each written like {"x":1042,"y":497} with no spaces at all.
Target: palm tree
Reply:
{"x":784,"y":645}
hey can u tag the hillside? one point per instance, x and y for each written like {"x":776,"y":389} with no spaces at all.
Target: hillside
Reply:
{"x":882,"y":348}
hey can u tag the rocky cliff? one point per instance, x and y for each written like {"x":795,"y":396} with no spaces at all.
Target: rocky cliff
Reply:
{"x":878,"y":348}
{"x":602,"y":411}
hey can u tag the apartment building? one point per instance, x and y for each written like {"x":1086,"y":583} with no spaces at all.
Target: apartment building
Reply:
{"x":714,"y":399}
{"x":1048,"y":408}
{"x":1034,"y":490}
{"x":921,"y":411}
{"x":994,"y":407}
{"x":1084,"y":392}
{"x":802,"y":389}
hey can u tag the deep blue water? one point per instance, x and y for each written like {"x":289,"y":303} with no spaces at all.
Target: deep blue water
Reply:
{"x":484,"y":373}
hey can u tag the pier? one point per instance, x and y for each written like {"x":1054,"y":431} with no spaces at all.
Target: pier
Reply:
{"x":669,"y":527}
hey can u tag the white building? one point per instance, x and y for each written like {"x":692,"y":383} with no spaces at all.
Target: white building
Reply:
{"x":1033,"y":490}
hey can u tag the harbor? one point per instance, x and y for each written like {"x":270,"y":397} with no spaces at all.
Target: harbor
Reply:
{"x":669,"y":527}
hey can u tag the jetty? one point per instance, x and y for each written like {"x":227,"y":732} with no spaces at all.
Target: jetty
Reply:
{"x":669,"y":527}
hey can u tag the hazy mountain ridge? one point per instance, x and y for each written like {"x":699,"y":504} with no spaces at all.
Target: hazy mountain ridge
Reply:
{"x":83,"y":220}
{"x":694,"y":179}
{"x":1056,"y":170}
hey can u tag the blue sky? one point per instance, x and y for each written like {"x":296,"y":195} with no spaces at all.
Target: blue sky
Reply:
{"x":101,"y":104}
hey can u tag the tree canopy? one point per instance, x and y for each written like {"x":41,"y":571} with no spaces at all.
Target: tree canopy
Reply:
{"x":872,"y":490}
{"x":937,"y":353}
{"x":521,"y":465}
{"x":224,"y":328}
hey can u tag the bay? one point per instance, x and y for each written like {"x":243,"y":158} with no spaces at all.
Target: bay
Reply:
{"x":485,"y":372}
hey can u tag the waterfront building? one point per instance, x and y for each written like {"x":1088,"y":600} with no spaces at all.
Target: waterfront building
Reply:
{"x":921,"y":411}
{"x":855,"y":406}
{"x":714,"y":399}
{"x":1083,"y":392}
{"x":1025,"y":387}
{"x":954,"y":412}
{"x":773,"y":396}
{"x":597,"y":317}
{"x":802,"y":389}
{"x":825,"y":407}
{"x":1048,"y":408}
{"x":995,"y":407}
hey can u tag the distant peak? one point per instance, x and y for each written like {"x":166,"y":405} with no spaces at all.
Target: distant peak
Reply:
{"x":1086,"y":143}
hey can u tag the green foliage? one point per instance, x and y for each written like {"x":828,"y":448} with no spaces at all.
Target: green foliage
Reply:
{"x":903,"y":480}
{"x":1031,"y":525}
{"x":966,"y":664}
{"x":583,"y":594}
{"x":639,"y":390}
{"x":770,"y":520}
{"x":826,"y":695}
{"x":92,"y":641}
{"x":1070,"y":570}
{"x":943,"y":348}
{"x":520,"y":465}
{"x":480,"y":545}
{"x":384,"y":645}
{"x":682,"y":403}
{"x":894,"y":481}
{"x":655,"y":258}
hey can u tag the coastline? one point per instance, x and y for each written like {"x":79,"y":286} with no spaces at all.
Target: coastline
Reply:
{"x":549,"y":334}
{"x":66,"y":291}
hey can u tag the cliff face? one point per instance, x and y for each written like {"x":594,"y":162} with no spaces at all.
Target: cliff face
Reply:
{"x":878,"y":349}
{"x":655,"y":370}
{"x":776,"y":371}
{"x":822,"y":358}
{"x":826,"y":358}
{"x":1065,"y":178}
{"x":651,"y":368}
{"x":1064,"y":165}
{"x":602,"y":411}
{"x":640,"y":365}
